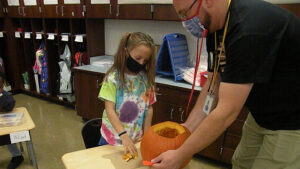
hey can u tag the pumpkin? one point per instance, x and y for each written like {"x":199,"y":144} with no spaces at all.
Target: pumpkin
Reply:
{"x":163,"y":137}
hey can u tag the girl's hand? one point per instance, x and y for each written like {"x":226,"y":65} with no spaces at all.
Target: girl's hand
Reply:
{"x":128,"y":144}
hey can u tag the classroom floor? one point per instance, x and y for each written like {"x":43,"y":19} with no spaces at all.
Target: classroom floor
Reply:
{"x":58,"y":131}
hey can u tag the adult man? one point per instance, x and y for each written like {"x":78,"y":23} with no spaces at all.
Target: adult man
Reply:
{"x":261,"y":71}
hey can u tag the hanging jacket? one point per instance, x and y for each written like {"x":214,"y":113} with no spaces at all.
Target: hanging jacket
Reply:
{"x":65,"y":83}
{"x":42,"y":57}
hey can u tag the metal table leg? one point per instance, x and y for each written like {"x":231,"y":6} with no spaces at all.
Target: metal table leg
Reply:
{"x":31,"y":154}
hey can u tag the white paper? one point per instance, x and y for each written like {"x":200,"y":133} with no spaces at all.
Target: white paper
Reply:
{"x":13,"y":2}
{"x":65,"y":38}
{"x":161,"y":1}
{"x":51,"y":36}
{"x":17,"y":34}
{"x":27,"y":35}
{"x":38,"y":36}
{"x":1,"y":34}
{"x":133,"y":2}
{"x":71,"y":1}
{"x":100,"y":1}
{"x":18,"y":137}
{"x":79,"y":38}
{"x":30,"y":2}
{"x":50,"y":2}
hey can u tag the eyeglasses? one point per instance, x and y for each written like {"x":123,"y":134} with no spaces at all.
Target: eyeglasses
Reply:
{"x":182,"y":14}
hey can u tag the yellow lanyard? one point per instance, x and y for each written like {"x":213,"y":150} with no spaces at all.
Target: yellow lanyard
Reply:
{"x":217,"y":62}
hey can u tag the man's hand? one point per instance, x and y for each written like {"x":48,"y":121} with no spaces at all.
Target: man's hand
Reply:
{"x":168,"y":160}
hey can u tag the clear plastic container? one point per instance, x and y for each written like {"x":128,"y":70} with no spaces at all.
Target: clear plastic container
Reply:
{"x":11,"y":119}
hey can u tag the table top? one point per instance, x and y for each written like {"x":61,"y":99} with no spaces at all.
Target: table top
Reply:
{"x":108,"y":157}
{"x":26,"y":125}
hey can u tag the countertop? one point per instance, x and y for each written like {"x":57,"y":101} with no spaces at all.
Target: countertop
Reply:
{"x":158,"y":79}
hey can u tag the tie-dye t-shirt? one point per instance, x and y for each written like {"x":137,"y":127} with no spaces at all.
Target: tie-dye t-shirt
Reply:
{"x":131,"y":105}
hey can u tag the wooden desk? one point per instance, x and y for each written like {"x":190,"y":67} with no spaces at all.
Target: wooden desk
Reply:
{"x":27,"y":125}
{"x":108,"y":157}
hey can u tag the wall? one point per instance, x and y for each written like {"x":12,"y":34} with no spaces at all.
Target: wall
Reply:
{"x":114,"y":29}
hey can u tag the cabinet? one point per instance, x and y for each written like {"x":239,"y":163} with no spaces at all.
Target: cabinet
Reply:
{"x":13,"y":8}
{"x":233,"y":136}
{"x":87,"y":87}
{"x":114,"y":10}
{"x":63,"y":9}
{"x":165,"y":12}
{"x":133,"y":11}
{"x":100,"y":9}
{"x":2,"y":9}
{"x":23,"y":8}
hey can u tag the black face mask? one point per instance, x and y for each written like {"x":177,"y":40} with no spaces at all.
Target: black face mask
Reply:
{"x":133,"y":65}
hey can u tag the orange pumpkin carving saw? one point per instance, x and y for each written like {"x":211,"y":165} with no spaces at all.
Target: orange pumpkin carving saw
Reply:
{"x":162,"y":137}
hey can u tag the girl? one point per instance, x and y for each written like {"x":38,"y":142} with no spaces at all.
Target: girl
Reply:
{"x":128,"y":92}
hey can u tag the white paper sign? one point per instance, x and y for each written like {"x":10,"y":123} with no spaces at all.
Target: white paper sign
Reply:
{"x":51,"y":36}
{"x":65,"y":38}
{"x":38,"y":36}
{"x":50,"y":2}
{"x":19,"y":137}
{"x":133,"y":2}
{"x":17,"y":34}
{"x":13,"y":2}
{"x":71,"y":1}
{"x":27,"y":35}
{"x":30,"y":2}
{"x":79,"y":38}
{"x":161,"y":1}
{"x":100,"y":1}
{"x":1,"y":34}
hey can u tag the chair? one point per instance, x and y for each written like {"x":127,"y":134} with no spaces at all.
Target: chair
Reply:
{"x":91,"y":132}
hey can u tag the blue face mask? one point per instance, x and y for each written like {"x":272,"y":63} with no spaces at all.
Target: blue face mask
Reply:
{"x":194,"y":26}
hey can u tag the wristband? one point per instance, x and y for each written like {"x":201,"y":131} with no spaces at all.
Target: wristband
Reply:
{"x":123,"y":132}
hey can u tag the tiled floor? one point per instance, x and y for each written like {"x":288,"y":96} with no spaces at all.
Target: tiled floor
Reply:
{"x":57,"y":132}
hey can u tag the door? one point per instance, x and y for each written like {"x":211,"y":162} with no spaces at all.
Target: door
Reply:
{"x":134,"y":11}
{"x":100,"y":9}
{"x":72,"y":9}
{"x":165,"y":12}
{"x":126,"y":9}
{"x":51,"y":8}
{"x":32,"y":8}
{"x":14,"y":8}
{"x":1,"y":9}
{"x":87,"y":87}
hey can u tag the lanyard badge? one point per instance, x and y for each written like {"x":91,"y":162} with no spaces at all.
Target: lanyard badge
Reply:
{"x":208,"y":103}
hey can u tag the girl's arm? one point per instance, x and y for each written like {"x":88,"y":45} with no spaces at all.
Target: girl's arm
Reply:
{"x":148,"y":120}
{"x":116,"y":123}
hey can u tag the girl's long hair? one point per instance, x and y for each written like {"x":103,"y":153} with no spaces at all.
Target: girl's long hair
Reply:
{"x":128,"y":42}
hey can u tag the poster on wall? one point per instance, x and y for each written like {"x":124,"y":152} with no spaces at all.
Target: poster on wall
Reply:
{"x":30,"y":2}
{"x":71,"y":1}
{"x":13,"y":2}
{"x":50,"y":2}
{"x":100,"y":1}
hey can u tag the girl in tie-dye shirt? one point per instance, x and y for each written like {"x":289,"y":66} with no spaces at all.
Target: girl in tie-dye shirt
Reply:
{"x":128,"y":92}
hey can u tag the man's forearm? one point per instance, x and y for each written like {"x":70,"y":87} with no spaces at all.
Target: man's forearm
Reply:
{"x":197,"y":115}
{"x":201,"y":138}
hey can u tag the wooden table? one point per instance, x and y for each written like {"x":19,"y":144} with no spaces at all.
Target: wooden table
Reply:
{"x":108,"y":157}
{"x":23,"y":131}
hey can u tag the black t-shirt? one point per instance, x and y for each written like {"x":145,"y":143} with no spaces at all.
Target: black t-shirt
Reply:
{"x":263,"y":47}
